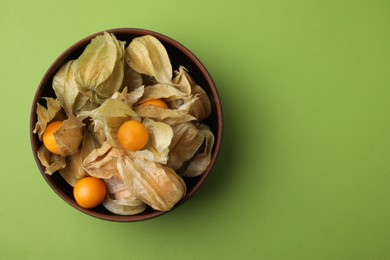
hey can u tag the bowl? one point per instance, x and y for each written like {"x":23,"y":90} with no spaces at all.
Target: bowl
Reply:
{"x":179,"y":55}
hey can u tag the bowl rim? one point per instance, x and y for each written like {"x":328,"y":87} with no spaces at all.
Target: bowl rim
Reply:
{"x":64,"y":56}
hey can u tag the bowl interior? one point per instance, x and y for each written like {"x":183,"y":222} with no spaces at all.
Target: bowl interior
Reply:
{"x":179,"y":55}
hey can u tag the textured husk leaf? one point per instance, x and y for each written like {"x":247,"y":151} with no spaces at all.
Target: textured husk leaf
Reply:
{"x":101,"y":162}
{"x":90,"y":142}
{"x":119,"y":200}
{"x":130,"y":98}
{"x":199,"y":163}
{"x":51,"y":162}
{"x":98,"y":134}
{"x":185,"y":143}
{"x":109,"y":117}
{"x":162,"y":91}
{"x":168,"y":116}
{"x":46,"y":115}
{"x":157,"y":148}
{"x":73,"y":170}
{"x":113,"y":83}
{"x":118,"y":207}
{"x":131,"y":78}
{"x":84,"y":103}
{"x":201,"y":108}
{"x":65,"y":87}
{"x":183,"y":81}
{"x":148,"y":56}
{"x":99,"y":72}
{"x":158,"y":186}
{"x":69,"y":136}
{"x":134,"y":96}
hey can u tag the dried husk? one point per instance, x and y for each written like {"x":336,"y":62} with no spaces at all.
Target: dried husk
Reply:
{"x":199,"y":163}
{"x":163,"y":91}
{"x":99,"y":72}
{"x":130,"y":98}
{"x":113,"y":83}
{"x":46,"y":115}
{"x":168,"y":116}
{"x":51,"y":162}
{"x":116,"y":187}
{"x":73,"y":171}
{"x":119,"y":200}
{"x":91,"y":142}
{"x":201,"y":108}
{"x":98,"y":135}
{"x":117,"y":206}
{"x":157,"y":148}
{"x":84,"y":103}
{"x":158,"y":186}
{"x":148,"y":56}
{"x":101,"y":162}
{"x":179,"y":113}
{"x":66,"y":89}
{"x":69,"y":136}
{"x":185,"y":143}
{"x":131,"y":78}
{"x":109,"y":117}
{"x":183,"y":81}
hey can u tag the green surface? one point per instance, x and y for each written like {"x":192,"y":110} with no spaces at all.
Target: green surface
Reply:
{"x":304,"y":168}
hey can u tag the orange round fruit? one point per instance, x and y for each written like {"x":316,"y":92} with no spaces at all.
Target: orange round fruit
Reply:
{"x":155,"y":102}
{"x":89,"y":192}
{"x":132,"y":135}
{"x":48,"y":138}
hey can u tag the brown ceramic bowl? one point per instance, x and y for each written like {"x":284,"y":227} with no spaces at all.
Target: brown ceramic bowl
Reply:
{"x":179,"y":55}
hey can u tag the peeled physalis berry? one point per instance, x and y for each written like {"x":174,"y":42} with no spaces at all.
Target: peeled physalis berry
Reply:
{"x":48,"y":137}
{"x":155,"y":102}
{"x":132,"y":135}
{"x":89,"y":192}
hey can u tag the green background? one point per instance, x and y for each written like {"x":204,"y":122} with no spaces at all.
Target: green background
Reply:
{"x":303,"y":171}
